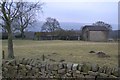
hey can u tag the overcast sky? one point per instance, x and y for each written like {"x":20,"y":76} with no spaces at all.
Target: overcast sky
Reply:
{"x":81,"y":12}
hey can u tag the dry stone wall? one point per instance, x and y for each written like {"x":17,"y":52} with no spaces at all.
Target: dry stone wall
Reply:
{"x":29,"y":68}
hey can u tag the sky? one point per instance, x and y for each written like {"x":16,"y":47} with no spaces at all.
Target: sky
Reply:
{"x":80,"y":11}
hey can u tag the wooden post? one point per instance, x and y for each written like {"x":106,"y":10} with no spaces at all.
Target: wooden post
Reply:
{"x":3,"y":54}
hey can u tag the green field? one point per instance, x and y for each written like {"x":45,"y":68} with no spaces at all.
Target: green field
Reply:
{"x":70,"y":51}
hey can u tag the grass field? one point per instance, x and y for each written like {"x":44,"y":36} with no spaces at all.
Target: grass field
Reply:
{"x":70,"y":51}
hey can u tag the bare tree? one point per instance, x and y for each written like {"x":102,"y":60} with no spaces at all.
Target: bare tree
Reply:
{"x":101,"y":23}
{"x":51,"y":25}
{"x":28,"y":11}
{"x":8,"y":12}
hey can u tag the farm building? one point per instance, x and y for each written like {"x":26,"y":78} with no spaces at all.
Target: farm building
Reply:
{"x":62,"y":35}
{"x":95,"y":33}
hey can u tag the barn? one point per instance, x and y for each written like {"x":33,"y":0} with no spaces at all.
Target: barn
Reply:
{"x":95,"y":33}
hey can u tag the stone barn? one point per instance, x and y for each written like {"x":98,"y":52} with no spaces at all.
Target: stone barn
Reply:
{"x":95,"y":33}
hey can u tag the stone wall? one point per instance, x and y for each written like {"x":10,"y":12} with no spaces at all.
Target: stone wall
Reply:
{"x":29,"y":68}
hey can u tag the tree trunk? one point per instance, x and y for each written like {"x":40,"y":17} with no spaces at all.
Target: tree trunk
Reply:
{"x":10,"y":45}
{"x":7,"y":19}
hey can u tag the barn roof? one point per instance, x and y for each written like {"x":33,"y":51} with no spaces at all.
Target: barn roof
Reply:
{"x":95,"y":28}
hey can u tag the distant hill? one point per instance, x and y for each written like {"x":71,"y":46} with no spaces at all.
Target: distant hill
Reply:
{"x":65,"y":25}
{"x":71,"y":25}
